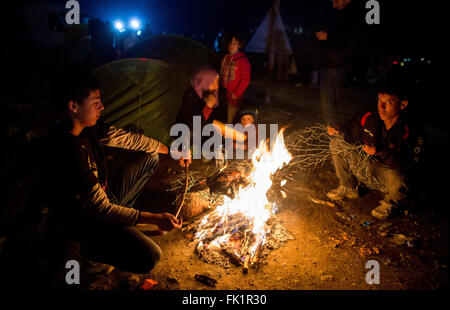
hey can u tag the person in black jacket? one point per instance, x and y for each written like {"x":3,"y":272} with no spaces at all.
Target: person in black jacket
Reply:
{"x":335,"y":51}
{"x":396,"y":146}
{"x":205,"y":99}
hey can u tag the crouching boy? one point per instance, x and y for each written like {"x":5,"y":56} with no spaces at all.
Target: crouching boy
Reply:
{"x":395,"y":145}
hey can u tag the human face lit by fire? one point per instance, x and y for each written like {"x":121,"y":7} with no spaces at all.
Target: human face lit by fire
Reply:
{"x":247,"y":120}
{"x":88,"y":112}
{"x":215,"y":84}
{"x":340,"y":4}
{"x":233,"y":46}
{"x":389,"y":106}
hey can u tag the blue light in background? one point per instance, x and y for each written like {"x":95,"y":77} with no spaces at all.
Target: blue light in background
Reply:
{"x":119,"y":25}
{"x":135,"y":23}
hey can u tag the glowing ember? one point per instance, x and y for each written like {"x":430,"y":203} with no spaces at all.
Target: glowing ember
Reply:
{"x":238,"y":226}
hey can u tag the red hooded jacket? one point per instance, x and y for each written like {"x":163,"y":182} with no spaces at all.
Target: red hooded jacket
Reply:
{"x":235,"y":75}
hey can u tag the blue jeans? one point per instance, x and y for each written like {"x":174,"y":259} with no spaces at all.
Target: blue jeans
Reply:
{"x":124,"y":247}
{"x":331,"y":80}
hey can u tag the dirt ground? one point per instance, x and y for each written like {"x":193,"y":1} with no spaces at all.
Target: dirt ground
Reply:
{"x":332,"y":243}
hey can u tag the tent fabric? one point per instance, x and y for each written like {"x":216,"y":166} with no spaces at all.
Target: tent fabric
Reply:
{"x":181,"y":51}
{"x":257,"y":43}
{"x":146,"y":93}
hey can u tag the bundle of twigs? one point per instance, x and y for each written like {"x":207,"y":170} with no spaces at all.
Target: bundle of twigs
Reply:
{"x":194,"y":179}
{"x":310,"y":148}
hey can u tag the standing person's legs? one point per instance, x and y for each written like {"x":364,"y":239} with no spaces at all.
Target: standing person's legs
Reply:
{"x":286,"y":63}
{"x":330,"y":84}
{"x":232,"y":111}
{"x":282,"y":67}
{"x":279,"y":66}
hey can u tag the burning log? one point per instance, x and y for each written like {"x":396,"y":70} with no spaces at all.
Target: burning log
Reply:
{"x":255,"y":256}
{"x":233,"y":257}
{"x":246,"y":261}
{"x":226,"y":183}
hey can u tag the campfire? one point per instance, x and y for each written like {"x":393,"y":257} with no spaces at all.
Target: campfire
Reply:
{"x":238,"y":228}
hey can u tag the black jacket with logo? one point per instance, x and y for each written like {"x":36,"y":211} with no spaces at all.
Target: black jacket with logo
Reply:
{"x":401,"y":147}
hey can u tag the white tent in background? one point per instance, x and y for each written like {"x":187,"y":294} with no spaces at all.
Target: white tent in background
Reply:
{"x":270,"y":36}
{"x":259,"y":40}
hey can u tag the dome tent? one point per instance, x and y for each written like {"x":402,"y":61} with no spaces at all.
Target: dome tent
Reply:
{"x":186,"y":53}
{"x":145,"y":93}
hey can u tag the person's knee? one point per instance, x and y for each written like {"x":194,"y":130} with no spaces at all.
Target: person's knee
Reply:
{"x":333,"y":146}
{"x":394,"y":179}
{"x":151,"y":162}
{"x":153,"y":158}
{"x":395,"y":184}
{"x":150,"y":258}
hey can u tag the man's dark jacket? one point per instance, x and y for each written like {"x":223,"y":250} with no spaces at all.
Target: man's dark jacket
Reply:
{"x":401,"y":147}
{"x":343,"y":47}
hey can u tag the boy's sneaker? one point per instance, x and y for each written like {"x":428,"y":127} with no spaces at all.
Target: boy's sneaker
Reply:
{"x":383,"y":211}
{"x":95,"y":268}
{"x":343,"y":192}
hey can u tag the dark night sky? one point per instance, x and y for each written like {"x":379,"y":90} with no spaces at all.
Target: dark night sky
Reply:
{"x":198,"y":15}
{"x":407,"y":24}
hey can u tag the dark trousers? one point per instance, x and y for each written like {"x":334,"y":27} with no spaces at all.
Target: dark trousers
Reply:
{"x":331,"y":80}
{"x":393,"y":183}
{"x":282,"y":61}
{"x":124,"y":247}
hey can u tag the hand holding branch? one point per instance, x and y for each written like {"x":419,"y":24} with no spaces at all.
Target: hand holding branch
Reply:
{"x":371,"y":150}
{"x":165,"y":221}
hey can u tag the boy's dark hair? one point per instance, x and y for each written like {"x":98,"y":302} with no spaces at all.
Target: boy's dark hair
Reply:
{"x":75,"y":87}
{"x":249,"y":110}
{"x":393,"y":88}
{"x":234,"y":33}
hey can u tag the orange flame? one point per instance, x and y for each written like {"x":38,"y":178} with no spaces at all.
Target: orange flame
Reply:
{"x":250,"y":202}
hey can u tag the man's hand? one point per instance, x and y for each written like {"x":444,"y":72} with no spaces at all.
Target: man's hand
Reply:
{"x":165,"y":221}
{"x":322,"y":35}
{"x":371,"y":150}
{"x":211,"y":101}
{"x":233,"y":96}
{"x":186,"y":160}
{"x":332,"y":131}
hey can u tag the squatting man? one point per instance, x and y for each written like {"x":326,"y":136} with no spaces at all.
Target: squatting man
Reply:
{"x":90,"y":203}
{"x":395,"y":144}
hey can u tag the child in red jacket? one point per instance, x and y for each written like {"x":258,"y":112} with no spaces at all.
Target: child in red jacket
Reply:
{"x":234,"y":73}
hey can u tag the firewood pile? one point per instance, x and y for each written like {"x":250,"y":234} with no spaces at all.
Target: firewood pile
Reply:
{"x":236,"y":251}
{"x":203,"y":192}
{"x":221,"y":234}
